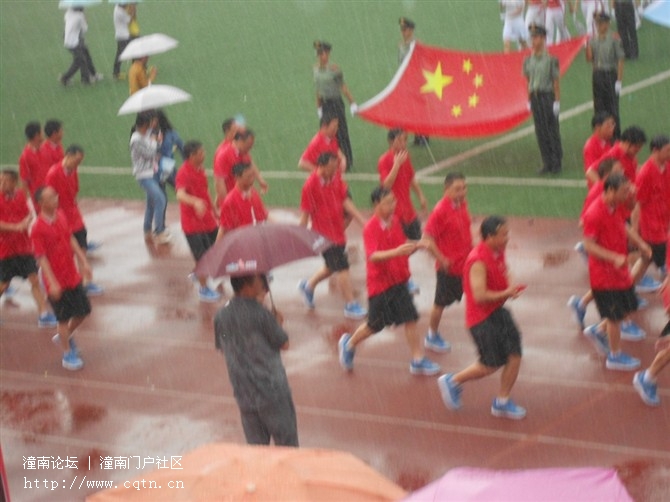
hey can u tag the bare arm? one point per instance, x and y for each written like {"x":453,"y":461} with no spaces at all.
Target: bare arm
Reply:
{"x":398,"y":160}
{"x":197,"y":203}
{"x":595,"y":249}
{"x":353,"y":211}
{"x":304,"y":219}
{"x":480,"y":292}
{"x":306,"y":165}
{"x":419,"y":193}
{"x":405,"y":249}
{"x":428,"y":243}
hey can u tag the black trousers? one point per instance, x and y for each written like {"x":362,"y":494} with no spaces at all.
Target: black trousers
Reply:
{"x":335,"y":107}
{"x":81,"y":61}
{"x":120,"y":46}
{"x":625,"y":22}
{"x":605,"y":98}
{"x":547,"y":131}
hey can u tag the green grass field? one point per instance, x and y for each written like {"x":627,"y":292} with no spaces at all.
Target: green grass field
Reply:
{"x":254,"y":57}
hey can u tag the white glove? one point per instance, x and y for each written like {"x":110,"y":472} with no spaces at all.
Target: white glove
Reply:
{"x":529,"y":106}
{"x":557,"y":108}
{"x":353,"y":108}
{"x":319,"y":112}
{"x":617,"y":87}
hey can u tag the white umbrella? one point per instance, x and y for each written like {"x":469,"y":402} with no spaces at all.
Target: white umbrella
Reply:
{"x":153,"y":96}
{"x":67,"y":4}
{"x":148,"y":45}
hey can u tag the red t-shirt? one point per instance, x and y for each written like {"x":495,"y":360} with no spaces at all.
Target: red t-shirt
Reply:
{"x":225,"y":158}
{"x":32,"y":169}
{"x":66,"y":185}
{"x":13,"y":209}
{"x":629,"y":163}
{"x":401,"y":187}
{"x":496,"y":280}
{"x":378,"y":236}
{"x":51,"y":153}
{"x":594,"y":149}
{"x":51,"y":239}
{"x":240,"y":209}
{"x":194,"y":181}
{"x":605,"y":225}
{"x":319,"y":144}
{"x":653,"y":195}
{"x":324,"y":203}
{"x":449,"y":226}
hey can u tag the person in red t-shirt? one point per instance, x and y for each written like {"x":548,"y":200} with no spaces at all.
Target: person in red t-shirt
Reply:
{"x":487,"y":288}
{"x":51,"y":150}
{"x":230,"y":154}
{"x":397,"y":174}
{"x":324,"y":201}
{"x":597,"y":145}
{"x":447,"y":234}
{"x":606,"y":237}
{"x":32,"y":170}
{"x":625,"y":151}
{"x":16,"y":252}
{"x":242,"y":206}
{"x":55,"y":250}
{"x":198,"y":220}
{"x":324,"y":141}
{"x":653,"y":199}
{"x":645,"y":381}
{"x":387,"y":251}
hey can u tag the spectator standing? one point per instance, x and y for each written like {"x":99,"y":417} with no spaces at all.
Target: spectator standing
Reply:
{"x":75,"y":29}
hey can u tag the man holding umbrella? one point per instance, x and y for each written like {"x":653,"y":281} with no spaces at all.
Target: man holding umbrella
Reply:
{"x":251,"y":338}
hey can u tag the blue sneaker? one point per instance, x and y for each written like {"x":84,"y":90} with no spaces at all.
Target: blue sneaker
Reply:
{"x":346,"y":355}
{"x":621,"y":362}
{"x":307,"y":294}
{"x":353,"y":310}
{"x":450,"y":391}
{"x":647,"y":285}
{"x":579,"y":247}
{"x":73,"y":346}
{"x":632,"y":332}
{"x":92,"y":246}
{"x":72,"y":361}
{"x":508,"y":410}
{"x":93,"y":289}
{"x":10,"y":292}
{"x":580,"y":312}
{"x":413,"y":287}
{"x":208,"y":295}
{"x":424,"y":367}
{"x":641,"y":303}
{"x":646,"y":390}
{"x":47,"y":320}
{"x":598,"y":338}
{"x":436,"y":343}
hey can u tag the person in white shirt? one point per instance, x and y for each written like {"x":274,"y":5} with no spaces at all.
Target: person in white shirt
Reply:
{"x":514,"y":29}
{"x":123,"y":15}
{"x":75,"y":29}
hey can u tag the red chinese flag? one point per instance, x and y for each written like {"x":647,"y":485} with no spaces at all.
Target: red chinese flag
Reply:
{"x":440,"y":92}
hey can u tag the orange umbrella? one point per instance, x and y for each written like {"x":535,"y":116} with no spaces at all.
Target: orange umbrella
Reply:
{"x":227,"y":472}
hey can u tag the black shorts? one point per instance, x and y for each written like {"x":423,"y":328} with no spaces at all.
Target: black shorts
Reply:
{"x":448,"y":289}
{"x":393,"y":306}
{"x":412,"y":229}
{"x":72,"y":303}
{"x":200,"y":243}
{"x":17,"y":266}
{"x":335,"y":258}
{"x":81,"y":237}
{"x":658,"y":253}
{"x":497,"y":337}
{"x":615,"y":305}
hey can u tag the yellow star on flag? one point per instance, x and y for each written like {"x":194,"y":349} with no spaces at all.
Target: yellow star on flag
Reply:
{"x":456,"y":110}
{"x":478,"y":81}
{"x":473,"y":101}
{"x":467,"y":66}
{"x":436,"y":81}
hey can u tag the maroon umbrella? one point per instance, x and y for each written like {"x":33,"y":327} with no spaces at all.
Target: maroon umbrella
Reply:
{"x":257,"y":249}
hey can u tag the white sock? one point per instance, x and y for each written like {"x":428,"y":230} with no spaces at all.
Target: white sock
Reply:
{"x":647,"y":377}
{"x":502,"y":400}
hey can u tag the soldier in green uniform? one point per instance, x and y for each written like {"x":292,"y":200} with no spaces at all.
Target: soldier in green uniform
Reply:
{"x":606,"y":54}
{"x":544,"y":94}
{"x":330,"y":86}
